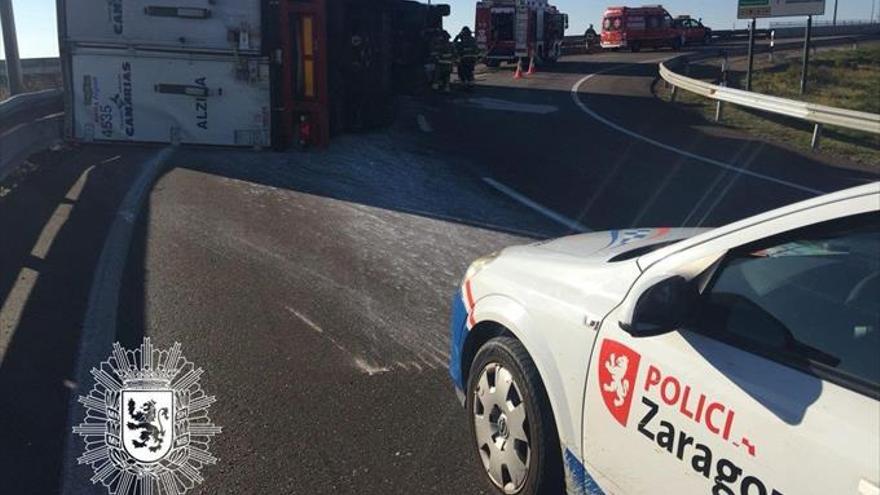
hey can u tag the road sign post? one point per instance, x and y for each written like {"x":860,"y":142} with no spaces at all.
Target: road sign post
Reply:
{"x":806,"y":65}
{"x":772,"y":44}
{"x":751,"y":55}
{"x":759,"y":9}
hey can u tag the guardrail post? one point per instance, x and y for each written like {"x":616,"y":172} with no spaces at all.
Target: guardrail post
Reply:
{"x":725,"y":67}
{"x":772,"y":44}
{"x":817,"y":136}
{"x":719,"y":108}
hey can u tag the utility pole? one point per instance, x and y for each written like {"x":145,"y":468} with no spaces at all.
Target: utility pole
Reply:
{"x":10,"y":43}
{"x":834,"y":20}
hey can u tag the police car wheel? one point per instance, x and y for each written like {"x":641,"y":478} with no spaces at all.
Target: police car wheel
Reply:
{"x":511,"y":421}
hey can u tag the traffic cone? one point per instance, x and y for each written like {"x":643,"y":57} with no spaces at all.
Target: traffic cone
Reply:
{"x":531,"y":70}
{"x":519,"y":73}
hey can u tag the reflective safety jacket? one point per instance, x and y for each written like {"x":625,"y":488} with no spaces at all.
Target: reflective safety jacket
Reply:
{"x":466,"y":49}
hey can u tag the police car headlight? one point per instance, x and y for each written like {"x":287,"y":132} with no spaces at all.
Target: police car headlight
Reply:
{"x":478,"y":265}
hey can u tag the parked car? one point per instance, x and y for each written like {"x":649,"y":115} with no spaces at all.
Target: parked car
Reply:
{"x":699,"y":361}
{"x":639,"y":27}
{"x":692,"y":31}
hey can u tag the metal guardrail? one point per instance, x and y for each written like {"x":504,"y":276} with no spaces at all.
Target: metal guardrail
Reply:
{"x":822,"y":23}
{"x":35,"y":66}
{"x":29,"y":123}
{"x":818,"y":115}
{"x":726,"y":34}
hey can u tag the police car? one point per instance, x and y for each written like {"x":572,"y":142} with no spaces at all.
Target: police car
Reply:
{"x":739,"y":360}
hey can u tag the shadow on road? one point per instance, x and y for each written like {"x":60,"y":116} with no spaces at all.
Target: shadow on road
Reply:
{"x":55,"y":220}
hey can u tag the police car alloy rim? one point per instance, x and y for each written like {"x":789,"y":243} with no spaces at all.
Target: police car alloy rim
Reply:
{"x":501,"y":428}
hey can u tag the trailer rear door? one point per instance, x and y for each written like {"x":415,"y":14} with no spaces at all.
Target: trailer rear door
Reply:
{"x":127,"y":95}
{"x":227,"y":25}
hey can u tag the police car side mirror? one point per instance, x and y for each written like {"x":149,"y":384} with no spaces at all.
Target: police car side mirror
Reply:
{"x":663,"y":307}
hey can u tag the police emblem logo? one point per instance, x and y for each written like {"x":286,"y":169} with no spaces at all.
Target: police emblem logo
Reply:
{"x":146,"y":428}
{"x":145,"y":436}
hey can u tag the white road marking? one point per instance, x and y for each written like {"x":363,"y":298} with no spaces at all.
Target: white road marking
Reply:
{"x":575,"y":95}
{"x":99,"y":327}
{"x":543,"y":210}
{"x":77,"y":187}
{"x":484,"y":103}
{"x":50,"y":230}
{"x":13,"y":306}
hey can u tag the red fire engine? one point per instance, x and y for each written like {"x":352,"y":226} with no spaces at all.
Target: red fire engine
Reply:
{"x":508,"y":30}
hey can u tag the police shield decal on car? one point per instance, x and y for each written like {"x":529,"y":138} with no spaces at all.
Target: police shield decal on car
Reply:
{"x":618,"y":369}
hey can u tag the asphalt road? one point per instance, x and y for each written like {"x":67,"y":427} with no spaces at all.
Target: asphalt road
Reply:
{"x":314,"y":288}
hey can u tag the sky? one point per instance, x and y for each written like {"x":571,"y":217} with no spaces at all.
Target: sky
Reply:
{"x":36,"y":25}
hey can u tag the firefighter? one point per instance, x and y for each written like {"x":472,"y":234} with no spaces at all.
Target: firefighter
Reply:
{"x":591,"y":32}
{"x":443,"y":58}
{"x":467,"y":52}
{"x":592,"y":38}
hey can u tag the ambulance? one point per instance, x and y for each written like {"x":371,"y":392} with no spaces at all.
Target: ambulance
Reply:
{"x":635,"y":28}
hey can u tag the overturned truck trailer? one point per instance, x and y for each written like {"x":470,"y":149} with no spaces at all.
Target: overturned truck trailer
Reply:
{"x":239,"y":72}
{"x":375,"y":50}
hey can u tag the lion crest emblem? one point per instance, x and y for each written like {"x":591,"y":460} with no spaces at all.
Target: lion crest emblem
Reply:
{"x":146,"y":427}
{"x":618,"y":369}
{"x":619,"y":384}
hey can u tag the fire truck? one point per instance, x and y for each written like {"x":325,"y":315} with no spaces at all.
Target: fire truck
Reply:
{"x":510,"y":30}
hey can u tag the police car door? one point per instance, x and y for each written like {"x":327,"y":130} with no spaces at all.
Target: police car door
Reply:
{"x":773,"y":387}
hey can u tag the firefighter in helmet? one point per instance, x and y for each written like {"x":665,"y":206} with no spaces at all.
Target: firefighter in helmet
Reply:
{"x":442,"y":56}
{"x":591,"y":32}
{"x":592,"y":38}
{"x":468,"y":53}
